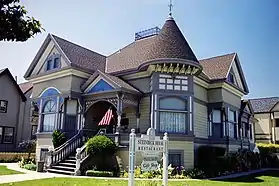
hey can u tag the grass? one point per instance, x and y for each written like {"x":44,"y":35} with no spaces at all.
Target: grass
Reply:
{"x":5,"y":171}
{"x":262,"y":179}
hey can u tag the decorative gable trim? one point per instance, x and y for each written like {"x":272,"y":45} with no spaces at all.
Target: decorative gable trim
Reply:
{"x":45,"y":44}
{"x":98,"y":85}
{"x":241,"y":74}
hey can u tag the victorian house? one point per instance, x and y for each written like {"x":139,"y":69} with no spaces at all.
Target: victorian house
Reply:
{"x":155,"y":81}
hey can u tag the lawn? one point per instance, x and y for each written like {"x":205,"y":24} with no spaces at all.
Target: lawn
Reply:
{"x":263,"y":179}
{"x":5,"y":171}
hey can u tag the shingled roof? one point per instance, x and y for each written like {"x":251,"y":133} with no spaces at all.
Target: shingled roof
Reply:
{"x":25,"y":87}
{"x":80,"y":56}
{"x":117,"y":82}
{"x":76,"y":55}
{"x":169,"y":43}
{"x":216,"y":68}
{"x":263,"y":104}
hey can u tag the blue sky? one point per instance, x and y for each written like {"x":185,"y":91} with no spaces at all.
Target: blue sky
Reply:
{"x":212,"y":27}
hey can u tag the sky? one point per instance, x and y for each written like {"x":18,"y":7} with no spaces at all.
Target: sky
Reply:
{"x":211,"y":27}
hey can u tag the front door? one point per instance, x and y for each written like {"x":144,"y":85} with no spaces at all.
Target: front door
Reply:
{"x":70,"y":125}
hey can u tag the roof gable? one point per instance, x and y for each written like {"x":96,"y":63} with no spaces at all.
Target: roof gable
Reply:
{"x":217,"y":68}
{"x":100,"y":81}
{"x":275,"y":107}
{"x":261,"y":105}
{"x":71,"y":55}
{"x":8,"y":73}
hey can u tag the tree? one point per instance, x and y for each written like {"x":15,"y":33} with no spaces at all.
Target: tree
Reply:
{"x":29,"y":146}
{"x":15,"y":24}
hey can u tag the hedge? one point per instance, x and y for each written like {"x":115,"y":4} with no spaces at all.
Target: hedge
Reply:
{"x":268,"y":153}
{"x":268,"y":148}
{"x":14,"y":157}
{"x":99,"y":173}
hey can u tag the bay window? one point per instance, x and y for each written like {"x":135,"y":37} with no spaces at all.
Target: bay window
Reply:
{"x":173,"y":115}
{"x":49,"y":115}
{"x":232,"y":122}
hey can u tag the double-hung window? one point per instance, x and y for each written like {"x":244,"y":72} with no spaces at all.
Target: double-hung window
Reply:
{"x":3,"y":106}
{"x":217,"y":126}
{"x":6,"y":134}
{"x":52,"y":62}
{"x":173,"y":115}
{"x":232,"y":122}
{"x":49,"y":116}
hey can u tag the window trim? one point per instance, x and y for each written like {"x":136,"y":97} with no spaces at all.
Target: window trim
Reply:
{"x":32,"y":135}
{"x":6,"y":109}
{"x":181,"y":152}
{"x":3,"y":135}
{"x":234,"y":123}
{"x":186,"y":112}
{"x":50,"y":62}
{"x":212,"y":123}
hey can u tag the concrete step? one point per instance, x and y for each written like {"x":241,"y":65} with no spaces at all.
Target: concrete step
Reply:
{"x":71,"y":158}
{"x":65,"y":168}
{"x":68,"y":164}
{"x":70,"y":161}
{"x":57,"y":171}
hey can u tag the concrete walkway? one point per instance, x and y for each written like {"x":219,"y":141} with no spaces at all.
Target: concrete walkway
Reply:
{"x":29,"y":175}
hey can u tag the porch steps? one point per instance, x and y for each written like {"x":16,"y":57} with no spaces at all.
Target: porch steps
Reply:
{"x":65,"y":167}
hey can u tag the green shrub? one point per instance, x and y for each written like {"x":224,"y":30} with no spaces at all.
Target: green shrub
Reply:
{"x":208,"y":157}
{"x":14,"y":157}
{"x":268,"y":155}
{"x":100,"y":146}
{"x":58,"y":138}
{"x":30,"y":166}
{"x":99,"y":173}
{"x":25,"y":161}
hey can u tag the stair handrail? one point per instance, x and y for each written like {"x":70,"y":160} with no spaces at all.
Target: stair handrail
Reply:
{"x":68,"y":141}
{"x":61,"y":153}
{"x":81,"y":155}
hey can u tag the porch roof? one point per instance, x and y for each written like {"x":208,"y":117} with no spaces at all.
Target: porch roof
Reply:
{"x":118,"y":84}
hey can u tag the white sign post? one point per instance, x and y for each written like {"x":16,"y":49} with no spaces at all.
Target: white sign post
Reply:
{"x":150,"y":146}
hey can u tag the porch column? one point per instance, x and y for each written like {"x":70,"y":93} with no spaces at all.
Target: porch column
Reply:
{"x":40,"y":116}
{"x":273,"y":128}
{"x":138,"y":117}
{"x":120,"y":97}
{"x":57,"y":124}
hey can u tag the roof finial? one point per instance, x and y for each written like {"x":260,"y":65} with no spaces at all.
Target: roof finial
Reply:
{"x":170,"y":8}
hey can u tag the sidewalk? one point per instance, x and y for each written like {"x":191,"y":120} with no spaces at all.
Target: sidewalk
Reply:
{"x":29,"y":175}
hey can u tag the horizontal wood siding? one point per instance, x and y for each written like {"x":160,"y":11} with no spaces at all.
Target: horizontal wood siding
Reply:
{"x":200,"y":121}
{"x":200,"y":93}
{"x":188,"y":148}
{"x":145,"y":114}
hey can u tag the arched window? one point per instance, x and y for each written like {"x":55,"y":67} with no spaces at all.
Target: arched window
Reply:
{"x":49,"y":112}
{"x":173,"y":115}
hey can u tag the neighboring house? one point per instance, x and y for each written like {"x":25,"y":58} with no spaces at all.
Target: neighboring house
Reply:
{"x":266,"y":111}
{"x":12,"y":99}
{"x":155,"y":81}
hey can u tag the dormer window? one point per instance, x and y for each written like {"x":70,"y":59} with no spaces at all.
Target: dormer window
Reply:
{"x":53,"y":62}
{"x":231,"y":78}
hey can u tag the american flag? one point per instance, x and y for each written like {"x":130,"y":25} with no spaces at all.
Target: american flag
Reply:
{"x":107,"y":117}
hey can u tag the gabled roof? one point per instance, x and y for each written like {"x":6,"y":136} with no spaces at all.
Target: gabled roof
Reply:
{"x":261,"y":105}
{"x":117,"y":82}
{"x":75,"y":55}
{"x":25,"y":87}
{"x":169,"y":43}
{"x":80,"y":56}
{"x":217,"y":68}
{"x":7,"y":72}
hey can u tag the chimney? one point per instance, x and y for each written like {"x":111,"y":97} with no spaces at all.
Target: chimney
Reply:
{"x":16,"y":79}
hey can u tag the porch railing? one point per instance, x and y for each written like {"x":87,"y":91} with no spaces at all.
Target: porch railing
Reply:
{"x":61,"y":153}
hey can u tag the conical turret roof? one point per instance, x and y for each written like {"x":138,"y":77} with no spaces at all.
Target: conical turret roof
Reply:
{"x":170,"y":43}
